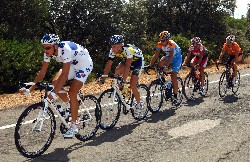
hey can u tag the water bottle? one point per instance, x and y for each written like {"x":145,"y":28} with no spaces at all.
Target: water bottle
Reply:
{"x":128,"y":91}
{"x":197,"y":74}
{"x":231,"y":72}
{"x":60,"y":109}
{"x":169,"y":86}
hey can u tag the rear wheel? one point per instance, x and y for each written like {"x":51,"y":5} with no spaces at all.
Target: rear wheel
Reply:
{"x":34,"y":133}
{"x":223,"y":84}
{"x":205,"y":90}
{"x":88,"y":117}
{"x":155,"y":99}
{"x":110,"y":105}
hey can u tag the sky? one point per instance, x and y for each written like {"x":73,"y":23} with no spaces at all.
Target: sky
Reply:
{"x":241,"y":8}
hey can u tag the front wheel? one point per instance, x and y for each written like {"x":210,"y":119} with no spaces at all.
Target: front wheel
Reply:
{"x":144,"y":93}
{"x":155,"y":99}
{"x":189,"y":87}
{"x":110,"y":105}
{"x":88,"y":117}
{"x":223,"y":84}
{"x":34,"y":130}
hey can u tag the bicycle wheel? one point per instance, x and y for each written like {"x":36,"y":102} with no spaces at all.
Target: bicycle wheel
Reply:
{"x":33,"y":133}
{"x":88,"y":117}
{"x":143,"y":90}
{"x":223,"y":84}
{"x":188,"y":88}
{"x":110,"y":106}
{"x":155,"y":98}
{"x":179,"y":93}
{"x":205,"y":84}
{"x":237,"y":83}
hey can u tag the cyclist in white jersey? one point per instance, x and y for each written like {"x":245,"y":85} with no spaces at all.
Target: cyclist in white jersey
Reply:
{"x":77,"y":65}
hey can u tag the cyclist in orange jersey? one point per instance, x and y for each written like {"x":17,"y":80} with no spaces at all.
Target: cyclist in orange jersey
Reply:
{"x":234,"y":51}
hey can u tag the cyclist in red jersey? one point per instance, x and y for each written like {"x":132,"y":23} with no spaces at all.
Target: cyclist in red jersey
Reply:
{"x":199,"y":60}
{"x":234,"y":51}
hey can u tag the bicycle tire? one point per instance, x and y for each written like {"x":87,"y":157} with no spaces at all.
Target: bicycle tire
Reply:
{"x":223,"y":82}
{"x":155,"y":98}
{"x":180,"y":91}
{"x":206,"y":83}
{"x":237,"y":83}
{"x":144,"y":93}
{"x":188,"y":87}
{"x":89,"y":117}
{"x":24,"y":131}
{"x":109,"y":114}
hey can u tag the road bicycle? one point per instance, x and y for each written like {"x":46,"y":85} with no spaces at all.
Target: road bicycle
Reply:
{"x":112,"y":100}
{"x":161,"y":88}
{"x":35,"y":128}
{"x":226,"y":80}
{"x":192,"y":84}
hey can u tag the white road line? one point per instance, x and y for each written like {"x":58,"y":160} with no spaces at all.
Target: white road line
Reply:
{"x":13,"y":125}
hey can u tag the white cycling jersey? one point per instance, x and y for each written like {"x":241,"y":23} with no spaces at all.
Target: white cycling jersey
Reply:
{"x":81,"y":62}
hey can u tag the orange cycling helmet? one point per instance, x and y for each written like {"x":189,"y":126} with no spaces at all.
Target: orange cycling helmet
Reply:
{"x":164,"y":35}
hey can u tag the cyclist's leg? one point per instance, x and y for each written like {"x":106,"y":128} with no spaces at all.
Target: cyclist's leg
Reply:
{"x":63,"y":96}
{"x":202,"y":68}
{"x":120,"y":69}
{"x":176,"y":65}
{"x":137,"y":68}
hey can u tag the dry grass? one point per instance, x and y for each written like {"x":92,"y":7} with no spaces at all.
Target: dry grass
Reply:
{"x":13,"y":100}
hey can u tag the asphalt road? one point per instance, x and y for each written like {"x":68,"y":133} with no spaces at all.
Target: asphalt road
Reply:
{"x":208,"y":129}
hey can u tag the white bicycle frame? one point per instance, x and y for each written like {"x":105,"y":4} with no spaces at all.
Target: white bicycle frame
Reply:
{"x":117,"y":90}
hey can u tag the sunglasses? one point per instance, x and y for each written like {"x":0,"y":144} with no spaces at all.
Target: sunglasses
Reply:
{"x":47,"y":48}
{"x":163,"y":40}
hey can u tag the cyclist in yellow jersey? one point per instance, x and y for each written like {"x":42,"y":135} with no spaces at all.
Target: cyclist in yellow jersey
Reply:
{"x":132,"y":60}
{"x":234,"y":51}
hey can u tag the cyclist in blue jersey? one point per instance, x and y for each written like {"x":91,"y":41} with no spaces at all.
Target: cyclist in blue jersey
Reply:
{"x":173,"y":57}
{"x":77,"y":65}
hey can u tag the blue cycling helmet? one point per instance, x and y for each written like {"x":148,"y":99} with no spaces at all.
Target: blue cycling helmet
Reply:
{"x":164,"y":35}
{"x":115,"y":39}
{"x":231,"y":38}
{"x":50,"y":39}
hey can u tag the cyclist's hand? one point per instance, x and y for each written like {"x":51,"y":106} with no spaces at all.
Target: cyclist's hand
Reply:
{"x":100,"y":80}
{"x":183,"y":65}
{"x":197,"y":66}
{"x":51,"y":95}
{"x":24,"y":91}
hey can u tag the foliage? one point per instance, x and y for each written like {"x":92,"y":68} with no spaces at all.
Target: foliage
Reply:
{"x":91,"y":23}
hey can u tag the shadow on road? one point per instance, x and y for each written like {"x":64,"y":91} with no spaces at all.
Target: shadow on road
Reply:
{"x":230,"y":98}
{"x":194,"y":102}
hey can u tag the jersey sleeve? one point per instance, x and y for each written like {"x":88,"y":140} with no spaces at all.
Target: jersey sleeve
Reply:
{"x":171,"y":45}
{"x":129,"y":52}
{"x":66,"y":54}
{"x":158,"y":46}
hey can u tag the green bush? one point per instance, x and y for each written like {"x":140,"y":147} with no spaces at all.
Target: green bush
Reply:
{"x":20,"y":62}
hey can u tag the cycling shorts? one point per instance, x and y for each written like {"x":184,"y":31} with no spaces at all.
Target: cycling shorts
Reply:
{"x":203,"y":61}
{"x":176,"y":62}
{"x":136,"y":66}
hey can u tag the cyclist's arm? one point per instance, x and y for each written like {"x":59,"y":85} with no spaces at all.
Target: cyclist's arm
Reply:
{"x":236,"y":56}
{"x":154,"y":58}
{"x":186,"y":58}
{"x":127,"y":68}
{"x":221,"y":54}
{"x":41,"y":74}
{"x":107,"y":67}
{"x":63,"y":77}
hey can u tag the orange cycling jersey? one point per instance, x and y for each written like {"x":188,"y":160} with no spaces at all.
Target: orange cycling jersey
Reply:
{"x":232,"y":50}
